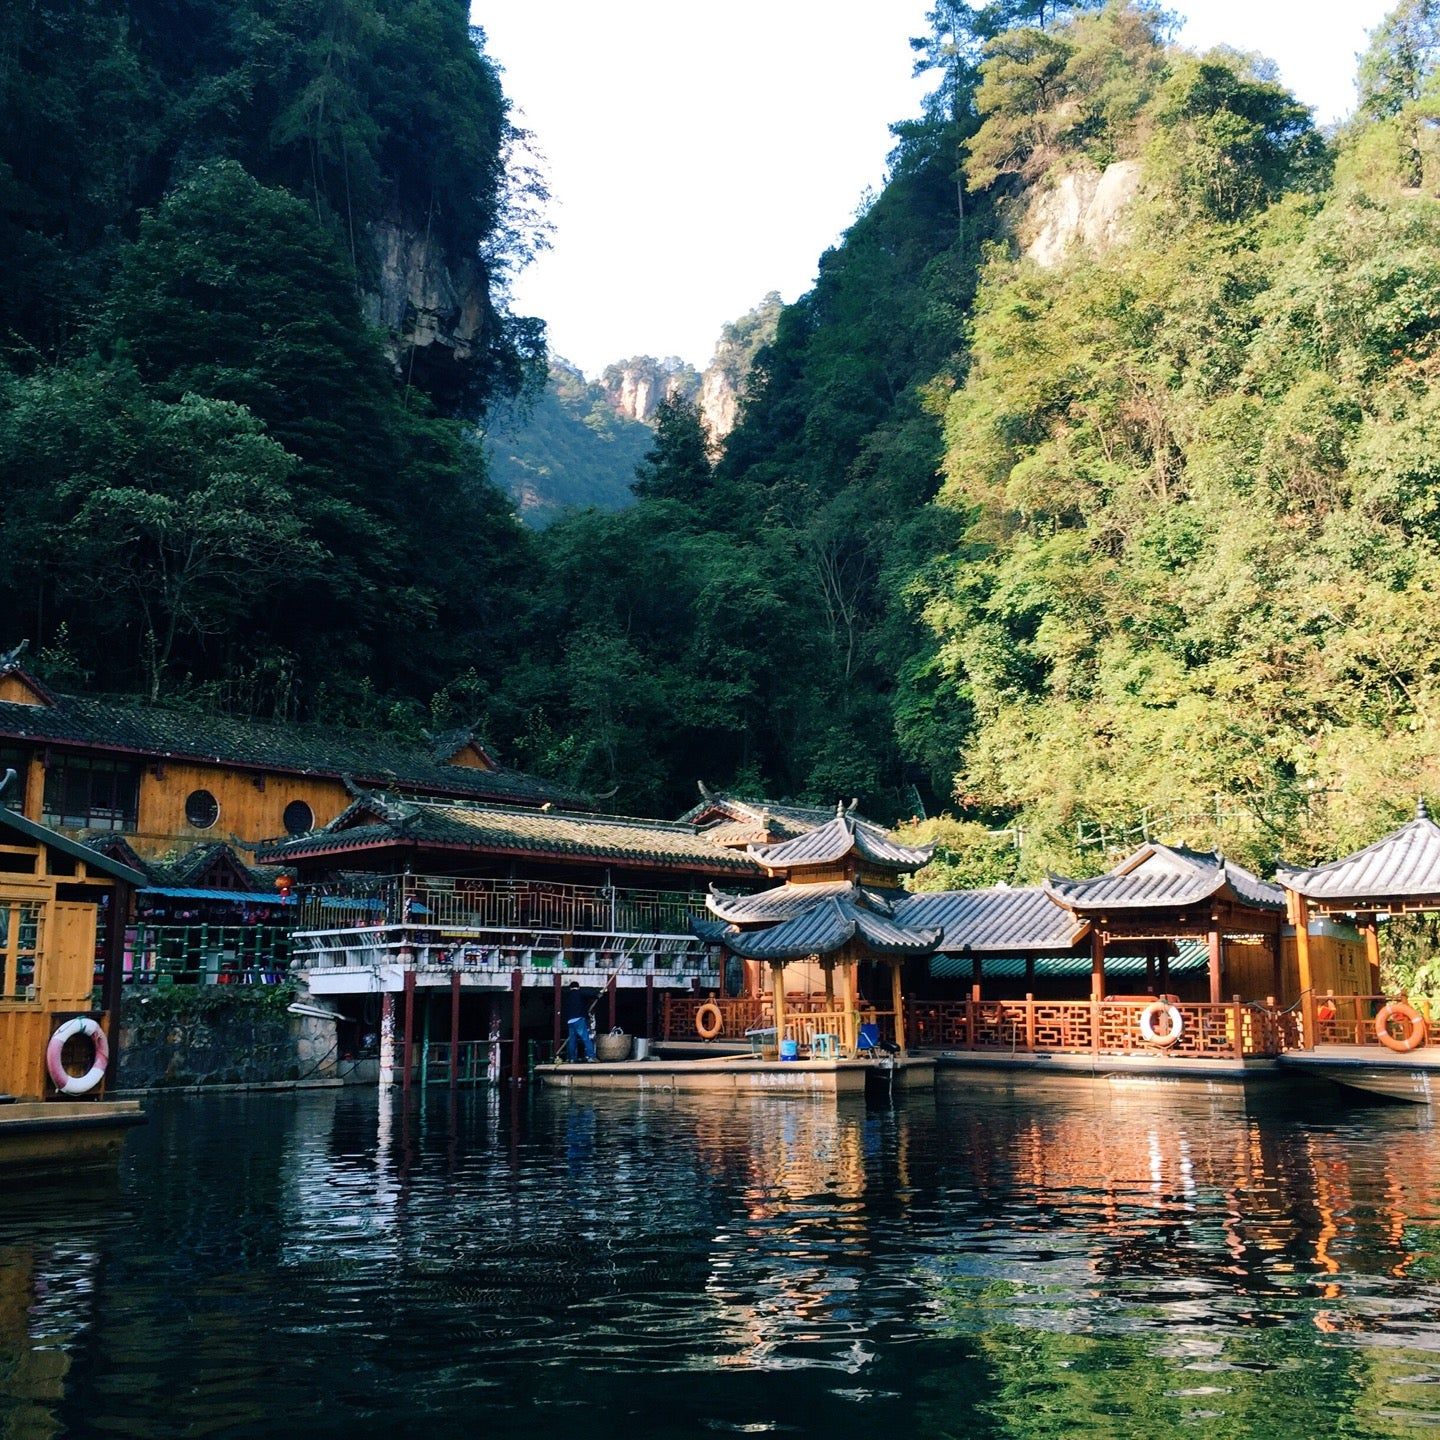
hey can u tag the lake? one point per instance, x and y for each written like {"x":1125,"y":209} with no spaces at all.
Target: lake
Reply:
{"x":1118,"y":1262}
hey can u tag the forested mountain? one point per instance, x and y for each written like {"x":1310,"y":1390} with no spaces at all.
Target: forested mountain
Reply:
{"x":254,"y":256}
{"x":1090,"y":493}
{"x":566,"y":448}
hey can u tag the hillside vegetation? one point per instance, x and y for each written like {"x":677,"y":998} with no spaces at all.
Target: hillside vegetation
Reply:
{"x":1133,"y":532}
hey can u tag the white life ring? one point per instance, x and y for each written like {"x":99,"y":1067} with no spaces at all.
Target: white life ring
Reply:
{"x":61,"y":1078}
{"x":1176,"y":1027}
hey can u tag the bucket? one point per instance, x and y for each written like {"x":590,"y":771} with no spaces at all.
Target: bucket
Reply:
{"x":612,"y":1047}
{"x":789,"y":1049}
{"x":640,"y":1048}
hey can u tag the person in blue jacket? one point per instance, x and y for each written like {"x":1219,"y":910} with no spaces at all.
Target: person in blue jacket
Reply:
{"x":576,"y":1012}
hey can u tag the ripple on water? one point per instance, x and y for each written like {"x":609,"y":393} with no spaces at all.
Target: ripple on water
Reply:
{"x":327,"y":1265}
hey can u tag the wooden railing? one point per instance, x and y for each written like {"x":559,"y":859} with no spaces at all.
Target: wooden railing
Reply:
{"x":1227,"y":1031}
{"x":446,"y":902}
{"x":1350,"y":1019}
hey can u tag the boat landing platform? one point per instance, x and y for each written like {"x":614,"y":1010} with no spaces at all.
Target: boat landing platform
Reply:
{"x":1412,"y":1077}
{"x":744,"y":1073}
{"x":44,"y":1139}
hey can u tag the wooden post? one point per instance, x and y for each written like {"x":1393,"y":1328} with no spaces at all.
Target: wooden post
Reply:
{"x":828,"y":968}
{"x":1029,"y":973}
{"x":1095,"y":1022}
{"x":517,"y":1072}
{"x":897,"y":996}
{"x":777,"y":988}
{"x":558,"y":1023}
{"x":975,"y":974}
{"x":665,"y":1031}
{"x":409,"y":1049}
{"x":1213,"y":940}
{"x":1371,"y":931}
{"x":1300,"y":919}
{"x":1029,"y":1021}
{"x":1165,"y":971}
{"x":610,"y":989}
{"x":1277,"y":971}
{"x":650,"y":1007}
{"x":454,"y":1029}
{"x":1149,"y":972}
{"x":1097,"y":965}
{"x":113,"y":989}
{"x":1237,"y":1020}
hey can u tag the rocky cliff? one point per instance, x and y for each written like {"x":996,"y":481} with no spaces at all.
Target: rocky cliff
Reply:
{"x":636,"y":387}
{"x":1085,"y":206}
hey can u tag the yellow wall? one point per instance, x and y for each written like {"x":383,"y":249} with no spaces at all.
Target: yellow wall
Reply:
{"x":247,"y":811}
{"x":15,"y":691}
{"x":1337,"y":965}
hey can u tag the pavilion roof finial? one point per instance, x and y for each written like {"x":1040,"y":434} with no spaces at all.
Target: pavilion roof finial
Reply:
{"x":1422,"y":810}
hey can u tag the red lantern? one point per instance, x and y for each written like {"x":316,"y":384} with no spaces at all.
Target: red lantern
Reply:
{"x":284,"y":884}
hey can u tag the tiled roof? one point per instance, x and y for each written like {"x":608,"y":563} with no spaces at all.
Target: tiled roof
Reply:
{"x":1404,"y":864}
{"x":840,"y":836}
{"x":784,"y":819}
{"x":97,"y":723}
{"x":1168,"y":877}
{"x":785,"y":901}
{"x":827,"y":925}
{"x":375,"y":821}
{"x":999,"y":919}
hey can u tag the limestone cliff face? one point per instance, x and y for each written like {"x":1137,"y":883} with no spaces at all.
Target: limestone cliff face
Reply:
{"x":636,"y":387}
{"x":1085,"y":207}
{"x":719,"y":401}
{"x":433,"y":312}
{"x":724,"y":380}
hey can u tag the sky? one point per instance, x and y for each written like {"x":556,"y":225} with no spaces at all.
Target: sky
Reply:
{"x":701,"y":154}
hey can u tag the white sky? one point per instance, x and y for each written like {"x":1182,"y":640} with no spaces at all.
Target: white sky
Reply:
{"x":701,"y":154}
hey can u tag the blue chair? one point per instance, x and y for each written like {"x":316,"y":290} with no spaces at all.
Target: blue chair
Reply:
{"x":868,"y":1040}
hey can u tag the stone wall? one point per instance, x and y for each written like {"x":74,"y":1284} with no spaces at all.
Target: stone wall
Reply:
{"x":223,"y":1035}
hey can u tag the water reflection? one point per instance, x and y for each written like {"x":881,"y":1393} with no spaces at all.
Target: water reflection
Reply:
{"x":1099,"y":1262}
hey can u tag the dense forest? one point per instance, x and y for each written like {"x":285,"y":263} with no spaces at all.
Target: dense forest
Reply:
{"x":1078,"y":534}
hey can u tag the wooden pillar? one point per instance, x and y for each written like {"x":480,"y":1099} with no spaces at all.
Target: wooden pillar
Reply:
{"x":777,"y":989}
{"x":1214,"y":942}
{"x":558,"y":1022}
{"x":454,"y":1028}
{"x":517,"y":1064}
{"x":1371,"y":931}
{"x":665,"y":1032}
{"x":650,"y":1007}
{"x":851,"y":979}
{"x":1097,"y":964}
{"x":1300,"y":919}
{"x":408,"y":1052}
{"x":1164,"y":959}
{"x":897,"y":998}
{"x":1149,"y":972}
{"x":1029,"y":974}
{"x":975,"y":979}
{"x":113,"y":989}
{"x":828,"y":968}
{"x":611,"y":990}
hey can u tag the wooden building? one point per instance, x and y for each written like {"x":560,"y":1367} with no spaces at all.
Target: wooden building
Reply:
{"x":168,"y":780}
{"x":59,"y":902}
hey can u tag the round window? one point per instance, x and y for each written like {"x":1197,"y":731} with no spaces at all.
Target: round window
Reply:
{"x":202,"y":809}
{"x":299,"y":818}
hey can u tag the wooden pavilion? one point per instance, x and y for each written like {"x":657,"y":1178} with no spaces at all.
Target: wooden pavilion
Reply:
{"x":1399,"y":874}
{"x":835,"y":912}
{"x":1163,"y":893}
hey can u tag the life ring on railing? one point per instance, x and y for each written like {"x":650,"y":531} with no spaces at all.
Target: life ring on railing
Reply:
{"x":1401,"y":1010}
{"x":61,"y":1078}
{"x":709,"y":1021}
{"x":1174,"y":1029}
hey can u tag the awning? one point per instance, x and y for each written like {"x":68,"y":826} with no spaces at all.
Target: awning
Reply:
{"x":234,"y":897}
{"x":1190,"y":956}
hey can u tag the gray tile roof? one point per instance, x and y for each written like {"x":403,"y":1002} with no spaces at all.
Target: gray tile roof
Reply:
{"x":1165,"y":877}
{"x":735,"y":817}
{"x":377,"y":821}
{"x":787,"y":900}
{"x":833,"y":841}
{"x":27,"y":832}
{"x":994,"y":920}
{"x":826,"y":926}
{"x":128,"y":726}
{"x":1402,"y":865}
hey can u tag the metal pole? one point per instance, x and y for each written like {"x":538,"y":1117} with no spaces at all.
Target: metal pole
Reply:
{"x":113,"y":988}
{"x":650,"y":1007}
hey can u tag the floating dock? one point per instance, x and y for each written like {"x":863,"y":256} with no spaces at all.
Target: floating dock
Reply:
{"x":745,"y":1074}
{"x":43,"y":1139}
{"x":1412,"y":1077}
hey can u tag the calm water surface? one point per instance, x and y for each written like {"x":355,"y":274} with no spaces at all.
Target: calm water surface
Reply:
{"x":968,"y":1265}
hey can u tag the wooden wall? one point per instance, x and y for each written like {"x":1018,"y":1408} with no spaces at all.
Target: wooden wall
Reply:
{"x":1337,"y":964}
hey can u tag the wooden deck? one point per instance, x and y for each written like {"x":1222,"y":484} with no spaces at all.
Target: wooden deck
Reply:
{"x":45,"y":1140}
{"x":742,"y":1075}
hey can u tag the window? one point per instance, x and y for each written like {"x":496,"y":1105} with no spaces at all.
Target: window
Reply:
{"x":91,"y":794}
{"x":202,"y":809}
{"x":21,"y":928}
{"x":299,"y":818}
{"x":13,"y":758}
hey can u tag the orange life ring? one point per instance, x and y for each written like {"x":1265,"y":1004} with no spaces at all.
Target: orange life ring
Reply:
{"x":1174,"y":1024}
{"x":709,"y":1021}
{"x":1401,"y":1010}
